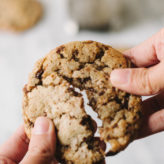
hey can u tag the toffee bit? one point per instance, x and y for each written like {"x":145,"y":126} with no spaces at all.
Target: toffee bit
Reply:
{"x":25,"y":89}
{"x":88,"y":42}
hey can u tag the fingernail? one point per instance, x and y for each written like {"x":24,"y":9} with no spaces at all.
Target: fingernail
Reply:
{"x":120,"y":77}
{"x":41,"y":126}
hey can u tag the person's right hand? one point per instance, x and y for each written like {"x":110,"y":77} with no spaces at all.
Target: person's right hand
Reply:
{"x":146,"y":80}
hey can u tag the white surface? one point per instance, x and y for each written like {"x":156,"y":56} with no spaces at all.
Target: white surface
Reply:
{"x":18,"y":52}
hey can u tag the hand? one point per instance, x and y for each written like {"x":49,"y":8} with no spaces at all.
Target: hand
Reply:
{"x":146,"y":80}
{"x":40,"y":150}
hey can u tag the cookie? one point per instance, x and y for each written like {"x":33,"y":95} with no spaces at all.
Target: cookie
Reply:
{"x":52,"y":91}
{"x":19,"y":15}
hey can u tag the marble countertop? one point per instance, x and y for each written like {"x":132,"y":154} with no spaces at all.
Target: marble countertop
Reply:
{"x":18,"y":53}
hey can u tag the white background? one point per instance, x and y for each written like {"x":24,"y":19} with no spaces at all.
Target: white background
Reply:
{"x":19,"y":52}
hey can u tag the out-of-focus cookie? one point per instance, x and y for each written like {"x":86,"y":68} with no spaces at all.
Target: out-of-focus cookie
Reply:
{"x":19,"y":15}
{"x":51,"y":92}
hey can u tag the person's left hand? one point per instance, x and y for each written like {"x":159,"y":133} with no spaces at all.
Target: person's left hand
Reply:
{"x":39,"y":150}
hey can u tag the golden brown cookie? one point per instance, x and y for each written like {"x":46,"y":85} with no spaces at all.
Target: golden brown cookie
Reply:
{"x":51,"y":92}
{"x":19,"y":15}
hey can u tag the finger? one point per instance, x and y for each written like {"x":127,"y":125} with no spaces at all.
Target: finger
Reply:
{"x":139,"y":81}
{"x":42,"y":143}
{"x":153,"y":104}
{"x":16,"y":147}
{"x":5,"y":160}
{"x":149,"y":52}
{"x":153,"y":124}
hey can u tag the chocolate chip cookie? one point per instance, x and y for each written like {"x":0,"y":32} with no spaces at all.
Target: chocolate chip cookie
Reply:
{"x":19,"y":15}
{"x":52,"y":91}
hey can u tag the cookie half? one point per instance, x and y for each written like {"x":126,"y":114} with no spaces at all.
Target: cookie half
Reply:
{"x":19,"y":15}
{"x":51,"y":92}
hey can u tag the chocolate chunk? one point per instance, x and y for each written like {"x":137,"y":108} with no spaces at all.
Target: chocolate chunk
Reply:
{"x":68,"y":79}
{"x":100,"y":162}
{"x":101,"y":93}
{"x":74,"y":92}
{"x":100,"y":68}
{"x":106,"y":47}
{"x":119,"y":101}
{"x":30,"y":124}
{"x":91,"y":89}
{"x":61,"y":55}
{"x":88,"y":122}
{"x":81,"y":66}
{"x":92,"y":102}
{"x":39,"y":74}
{"x":74,"y":55}
{"x":100,"y":54}
{"x":110,"y":153}
{"x":83,"y":80}
{"x":60,"y":49}
{"x":90,"y":146}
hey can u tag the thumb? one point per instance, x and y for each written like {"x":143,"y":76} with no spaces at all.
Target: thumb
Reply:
{"x":139,"y":81}
{"x":42,"y":143}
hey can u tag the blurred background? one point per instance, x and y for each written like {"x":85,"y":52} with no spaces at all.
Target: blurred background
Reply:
{"x":120,"y":23}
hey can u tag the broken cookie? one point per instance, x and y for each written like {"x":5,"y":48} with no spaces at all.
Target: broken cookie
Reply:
{"x":51,"y":92}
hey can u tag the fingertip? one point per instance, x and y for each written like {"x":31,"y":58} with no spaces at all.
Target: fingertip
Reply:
{"x":153,"y":124}
{"x":114,"y":77}
{"x":44,"y":128}
{"x":41,"y":126}
{"x":120,"y":77}
{"x":43,"y":142}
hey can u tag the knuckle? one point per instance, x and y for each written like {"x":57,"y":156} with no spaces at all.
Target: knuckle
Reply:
{"x":41,"y":151}
{"x":4,"y":160}
{"x":148,"y":84}
{"x":143,"y":81}
{"x":161,"y":32}
{"x":161,"y":117}
{"x":132,"y":57}
{"x":159,"y":47}
{"x":159,"y":44}
{"x":24,"y":139}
